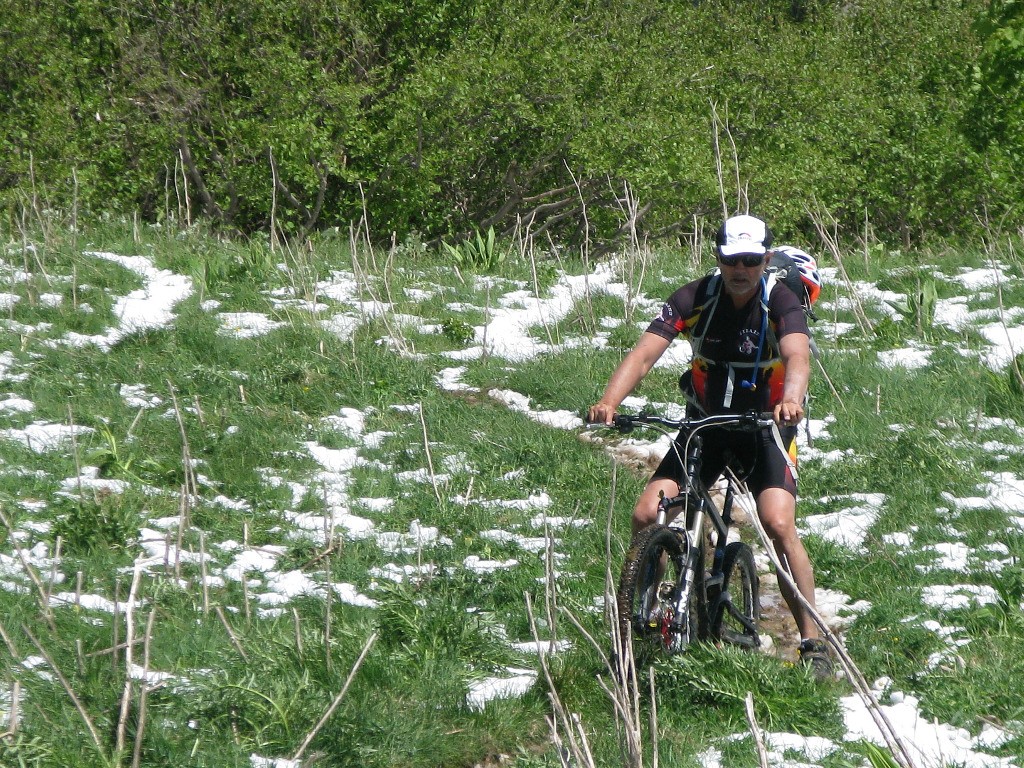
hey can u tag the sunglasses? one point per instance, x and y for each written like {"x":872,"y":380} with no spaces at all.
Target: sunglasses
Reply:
{"x":746,"y":259}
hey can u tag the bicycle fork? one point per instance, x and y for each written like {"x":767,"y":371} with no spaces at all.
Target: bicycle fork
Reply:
{"x":685,"y":623}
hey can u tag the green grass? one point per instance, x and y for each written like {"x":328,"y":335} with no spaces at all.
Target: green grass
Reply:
{"x":248,"y":408}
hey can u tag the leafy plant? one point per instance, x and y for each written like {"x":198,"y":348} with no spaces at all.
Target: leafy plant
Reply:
{"x":107,"y":521}
{"x":476,"y":254}
{"x":457,"y":331}
{"x":113,"y":460}
{"x":879,"y":758}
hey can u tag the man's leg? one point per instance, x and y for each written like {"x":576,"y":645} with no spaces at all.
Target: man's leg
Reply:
{"x":776,"y":508}
{"x":646,"y":511}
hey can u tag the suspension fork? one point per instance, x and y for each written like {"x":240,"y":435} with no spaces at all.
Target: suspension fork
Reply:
{"x":695,"y":509}
{"x":721,"y":522}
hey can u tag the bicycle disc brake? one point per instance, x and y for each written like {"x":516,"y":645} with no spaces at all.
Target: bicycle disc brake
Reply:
{"x":676,"y":632}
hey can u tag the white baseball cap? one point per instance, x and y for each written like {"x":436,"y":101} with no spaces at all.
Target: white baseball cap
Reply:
{"x":743,"y":234}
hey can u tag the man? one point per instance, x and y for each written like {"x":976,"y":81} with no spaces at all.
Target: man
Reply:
{"x":751,"y":352}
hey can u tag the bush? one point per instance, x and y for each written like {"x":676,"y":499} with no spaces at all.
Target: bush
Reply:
{"x":584,"y":122}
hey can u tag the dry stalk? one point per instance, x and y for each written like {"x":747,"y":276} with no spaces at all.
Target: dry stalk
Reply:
{"x":11,"y":649}
{"x":37,"y":208}
{"x":394,"y":329}
{"x":245,"y":598}
{"x":527,"y":247}
{"x":74,"y":452}
{"x":189,"y":489}
{"x":44,"y":603}
{"x":831,"y":386}
{"x":653,"y":719}
{"x":755,"y":731}
{"x":696,"y":242}
{"x":74,"y":209}
{"x":718,"y":124}
{"x":364,"y":225}
{"x":830,"y":239}
{"x":273,"y":201}
{"x":892,"y":738}
{"x":328,"y":603}
{"x":144,"y":694}
{"x":14,"y":715}
{"x":231,"y":633}
{"x":560,"y":717}
{"x":430,"y":460}
{"x":202,"y":573}
{"x":550,"y":592}
{"x":68,"y":690}
{"x":115,"y":644}
{"x":184,"y":185}
{"x":623,"y":692}
{"x":112,"y":649}
{"x":337,"y":699}
{"x":635,"y":253}
{"x":298,"y":633}
{"x":586,"y":218}
{"x":186,"y":451}
{"x":126,"y":695}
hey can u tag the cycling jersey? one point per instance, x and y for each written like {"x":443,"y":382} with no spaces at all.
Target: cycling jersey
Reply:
{"x":734,"y":369}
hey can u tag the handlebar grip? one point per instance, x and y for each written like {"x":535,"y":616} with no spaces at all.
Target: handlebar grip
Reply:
{"x":620,"y":422}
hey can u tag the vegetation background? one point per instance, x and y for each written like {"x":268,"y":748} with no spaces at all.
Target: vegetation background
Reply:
{"x":435,"y":118}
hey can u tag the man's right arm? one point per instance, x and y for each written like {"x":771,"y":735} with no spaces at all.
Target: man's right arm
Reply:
{"x":628,"y":375}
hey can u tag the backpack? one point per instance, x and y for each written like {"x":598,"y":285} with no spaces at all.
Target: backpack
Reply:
{"x":798,"y":271}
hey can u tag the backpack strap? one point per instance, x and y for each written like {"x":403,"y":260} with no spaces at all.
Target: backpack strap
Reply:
{"x":768,"y":343}
{"x":703,"y":311}
{"x":708,"y":302}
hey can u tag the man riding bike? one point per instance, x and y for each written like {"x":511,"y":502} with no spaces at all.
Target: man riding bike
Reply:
{"x":751,"y":351}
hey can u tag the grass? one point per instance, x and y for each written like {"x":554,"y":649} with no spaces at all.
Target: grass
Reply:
{"x":214,"y":454}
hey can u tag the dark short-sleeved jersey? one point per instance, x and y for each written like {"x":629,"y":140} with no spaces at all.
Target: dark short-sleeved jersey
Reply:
{"x":729,"y":340}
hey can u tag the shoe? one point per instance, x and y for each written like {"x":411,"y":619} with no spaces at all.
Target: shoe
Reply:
{"x":814,"y":654}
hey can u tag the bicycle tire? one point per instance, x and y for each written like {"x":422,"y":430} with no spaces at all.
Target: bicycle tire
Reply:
{"x":652,"y":625}
{"x":734,"y":608}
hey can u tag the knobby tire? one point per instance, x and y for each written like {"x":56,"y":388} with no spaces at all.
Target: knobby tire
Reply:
{"x":734,"y":609}
{"x":638,"y":586}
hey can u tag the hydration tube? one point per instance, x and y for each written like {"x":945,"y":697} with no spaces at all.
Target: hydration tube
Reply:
{"x":752,"y":383}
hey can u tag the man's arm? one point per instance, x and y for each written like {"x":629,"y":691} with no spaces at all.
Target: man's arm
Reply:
{"x":795,"y":350}
{"x":628,"y":375}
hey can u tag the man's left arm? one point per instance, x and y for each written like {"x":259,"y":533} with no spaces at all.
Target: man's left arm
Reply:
{"x":795,"y":350}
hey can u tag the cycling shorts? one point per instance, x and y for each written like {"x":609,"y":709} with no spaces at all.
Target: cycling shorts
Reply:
{"x":756,"y":458}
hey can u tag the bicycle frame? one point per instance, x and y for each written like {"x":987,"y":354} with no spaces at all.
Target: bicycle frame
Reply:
{"x":696,"y":506}
{"x":685,"y":514}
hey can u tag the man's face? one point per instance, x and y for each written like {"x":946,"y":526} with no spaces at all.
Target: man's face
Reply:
{"x":742,"y":274}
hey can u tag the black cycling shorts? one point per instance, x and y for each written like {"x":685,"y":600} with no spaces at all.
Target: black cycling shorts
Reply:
{"x":755,"y":458}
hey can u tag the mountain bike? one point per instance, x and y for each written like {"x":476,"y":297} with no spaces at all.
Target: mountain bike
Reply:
{"x":666,"y":599}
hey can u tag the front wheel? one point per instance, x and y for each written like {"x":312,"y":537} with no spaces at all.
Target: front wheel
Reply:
{"x":649,"y":589}
{"x":734,"y":609}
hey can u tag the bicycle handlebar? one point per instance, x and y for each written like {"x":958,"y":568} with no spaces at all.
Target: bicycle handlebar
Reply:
{"x":747,"y":422}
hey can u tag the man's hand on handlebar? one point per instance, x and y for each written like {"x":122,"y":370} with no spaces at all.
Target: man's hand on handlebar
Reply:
{"x":788,"y":413}
{"x":601,"y":413}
